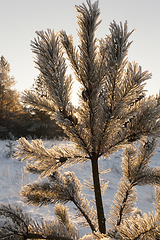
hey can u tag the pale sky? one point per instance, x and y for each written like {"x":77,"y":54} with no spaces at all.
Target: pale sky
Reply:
{"x":19,"y":19}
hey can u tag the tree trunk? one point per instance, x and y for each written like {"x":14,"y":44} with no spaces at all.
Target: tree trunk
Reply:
{"x":98,"y":195}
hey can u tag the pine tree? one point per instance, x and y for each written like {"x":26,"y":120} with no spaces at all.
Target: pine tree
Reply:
{"x":10,"y":105}
{"x":42,"y":124}
{"x":113,"y":113}
{"x":6,"y":82}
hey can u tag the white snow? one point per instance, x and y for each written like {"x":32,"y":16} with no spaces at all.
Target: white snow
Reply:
{"x":87,"y":237}
{"x":13,"y":178}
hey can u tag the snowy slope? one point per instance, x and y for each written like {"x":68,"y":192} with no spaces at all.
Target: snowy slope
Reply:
{"x":13,"y":178}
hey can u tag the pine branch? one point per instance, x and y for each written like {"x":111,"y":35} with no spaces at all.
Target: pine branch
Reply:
{"x":32,"y":169}
{"x":16,"y":225}
{"x":135,"y":164}
{"x":139,"y":227}
{"x":47,"y":160}
{"x":36,"y":100}
{"x":117,"y":94}
{"x":41,"y":236}
{"x":124,"y":203}
{"x":51,"y":63}
{"x":87,"y":21}
{"x":136,"y":172}
{"x":118,"y":44}
{"x":116,"y":49}
{"x":62,"y":188}
{"x":62,"y":214}
{"x":89,"y":215}
{"x":57,"y":227}
{"x":72,"y":54}
{"x":88,"y":185}
{"x":145,"y":122}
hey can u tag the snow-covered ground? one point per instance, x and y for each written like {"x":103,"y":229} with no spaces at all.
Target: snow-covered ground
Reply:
{"x":13,"y":178}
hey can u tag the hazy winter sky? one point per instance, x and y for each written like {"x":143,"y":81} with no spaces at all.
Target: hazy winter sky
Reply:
{"x":19,"y":19}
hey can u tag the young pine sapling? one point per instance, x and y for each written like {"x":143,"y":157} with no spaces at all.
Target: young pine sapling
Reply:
{"x":113,"y":113}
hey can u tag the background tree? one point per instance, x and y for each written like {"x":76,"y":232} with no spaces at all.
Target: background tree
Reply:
{"x":6,"y":82}
{"x":113,"y":113}
{"x":10,"y":105}
{"x":17,"y":120}
{"x":42,"y":125}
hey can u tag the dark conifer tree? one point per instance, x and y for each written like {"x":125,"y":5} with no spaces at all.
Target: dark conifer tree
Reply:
{"x":6,"y":82}
{"x":10,"y":107}
{"x":42,"y":125}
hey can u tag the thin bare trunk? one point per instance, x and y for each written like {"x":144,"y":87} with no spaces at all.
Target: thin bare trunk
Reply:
{"x":98,"y":195}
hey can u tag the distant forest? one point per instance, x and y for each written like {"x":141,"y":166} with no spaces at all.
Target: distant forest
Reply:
{"x":18,"y":119}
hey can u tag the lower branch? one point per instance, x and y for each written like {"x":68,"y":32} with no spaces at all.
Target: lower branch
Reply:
{"x":40,"y":236}
{"x":124,"y":204}
{"x":86,"y":217}
{"x":122,"y":208}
